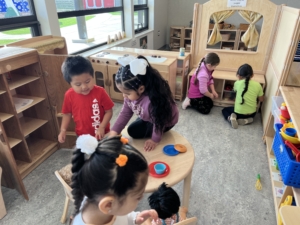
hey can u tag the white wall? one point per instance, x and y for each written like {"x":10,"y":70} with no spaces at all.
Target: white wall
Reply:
{"x":161,"y":10}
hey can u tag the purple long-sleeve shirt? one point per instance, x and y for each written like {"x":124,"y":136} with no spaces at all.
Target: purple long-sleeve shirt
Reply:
{"x":204,"y":80}
{"x":140,"y":108}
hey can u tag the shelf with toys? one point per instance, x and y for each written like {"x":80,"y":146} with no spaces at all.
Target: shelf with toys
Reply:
{"x":281,"y":153}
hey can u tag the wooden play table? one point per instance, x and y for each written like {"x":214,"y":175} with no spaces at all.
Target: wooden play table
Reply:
{"x":181,"y":165}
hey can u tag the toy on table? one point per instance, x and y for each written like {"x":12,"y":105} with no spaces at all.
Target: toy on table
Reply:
{"x":258,"y":183}
{"x":287,"y":201}
{"x":153,"y":172}
{"x":172,"y":150}
{"x":160,"y":168}
{"x":294,"y":149}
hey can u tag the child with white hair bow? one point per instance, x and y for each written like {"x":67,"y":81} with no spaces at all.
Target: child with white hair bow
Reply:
{"x":147,"y":95}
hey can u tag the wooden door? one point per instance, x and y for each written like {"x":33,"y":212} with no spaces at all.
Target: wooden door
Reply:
{"x":281,"y":58}
{"x":114,"y":92}
{"x":11,"y":177}
{"x":56,"y":88}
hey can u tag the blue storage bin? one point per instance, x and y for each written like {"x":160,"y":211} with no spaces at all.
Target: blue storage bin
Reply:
{"x":289,"y":168}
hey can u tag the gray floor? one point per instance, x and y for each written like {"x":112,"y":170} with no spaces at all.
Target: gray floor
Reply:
{"x":222,"y":190}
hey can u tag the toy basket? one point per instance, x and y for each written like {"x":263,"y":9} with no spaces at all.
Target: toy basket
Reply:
{"x":289,"y":168}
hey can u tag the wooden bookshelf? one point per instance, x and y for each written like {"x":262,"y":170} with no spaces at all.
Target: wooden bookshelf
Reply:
{"x":20,"y":80}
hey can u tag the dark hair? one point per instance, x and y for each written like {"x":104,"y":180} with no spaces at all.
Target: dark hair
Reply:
{"x":246,"y":72}
{"x":156,"y":88}
{"x":210,"y":58}
{"x":165,"y":201}
{"x":100,"y":175}
{"x":75,"y":66}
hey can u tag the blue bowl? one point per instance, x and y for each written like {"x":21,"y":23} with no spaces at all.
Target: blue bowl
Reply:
{"x":290,"y":132}
{"x":160,"y":168}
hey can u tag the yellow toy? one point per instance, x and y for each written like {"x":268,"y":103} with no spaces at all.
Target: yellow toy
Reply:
{"x":287,"y":201}
{"x":258,"y":184}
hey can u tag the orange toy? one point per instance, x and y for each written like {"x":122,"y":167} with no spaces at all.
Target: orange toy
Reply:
{"x":180,"y":148}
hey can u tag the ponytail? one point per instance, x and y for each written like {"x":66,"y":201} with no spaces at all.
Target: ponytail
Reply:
{"x":245,"y":71}
{"x":197,"y":70}
{"x":245,"y":89}
{"x":77,"y":163}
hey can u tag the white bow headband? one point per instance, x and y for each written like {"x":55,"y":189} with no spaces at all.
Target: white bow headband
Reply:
{"x":137,"y":66}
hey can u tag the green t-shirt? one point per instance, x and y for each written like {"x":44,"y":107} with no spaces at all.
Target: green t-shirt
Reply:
{"x":250,"y":97}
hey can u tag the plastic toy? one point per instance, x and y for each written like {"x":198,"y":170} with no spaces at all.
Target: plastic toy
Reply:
{"x":290,"y":131}
{"x":287,"y":201}
{"x":180,"y":148}
{"x":293,"y":140}
{"x":284,"y":111}
{"x":294,"y":149}
{"x":154,"y":174}
{"x":160,"y":168}
{"x":170,"y":150}
{"x":258,"y":183}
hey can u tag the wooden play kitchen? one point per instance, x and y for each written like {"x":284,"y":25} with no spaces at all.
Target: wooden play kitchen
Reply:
{"x":271,"y":60}
{"x":174,"y":69}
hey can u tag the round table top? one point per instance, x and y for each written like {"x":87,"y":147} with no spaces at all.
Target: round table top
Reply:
{"x":180,"y":165}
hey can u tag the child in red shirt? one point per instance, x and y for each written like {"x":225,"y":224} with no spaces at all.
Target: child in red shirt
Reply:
{"x":88,"y":104}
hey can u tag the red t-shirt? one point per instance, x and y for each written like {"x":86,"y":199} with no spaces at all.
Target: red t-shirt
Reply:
{"x":87,"y":110}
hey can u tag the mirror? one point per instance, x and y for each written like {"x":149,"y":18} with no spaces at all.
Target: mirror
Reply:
{"x":233,"y":28}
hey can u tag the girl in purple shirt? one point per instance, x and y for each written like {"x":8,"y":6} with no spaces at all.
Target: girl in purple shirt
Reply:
{"x":199,"y":96}
{"x":147,"y":95}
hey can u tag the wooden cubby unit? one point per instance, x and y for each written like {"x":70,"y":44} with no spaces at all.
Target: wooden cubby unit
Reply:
{"x":221,"y":79}
{"x":180,"y":37}
{"x":28,"y":134}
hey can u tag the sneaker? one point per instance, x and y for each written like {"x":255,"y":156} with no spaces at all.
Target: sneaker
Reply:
{"x":186,"y":103}
{"x":233,"y":121}
{"x":245,"y":121}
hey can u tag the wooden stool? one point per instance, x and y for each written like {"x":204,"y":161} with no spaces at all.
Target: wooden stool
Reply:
{"x":2,"y":206}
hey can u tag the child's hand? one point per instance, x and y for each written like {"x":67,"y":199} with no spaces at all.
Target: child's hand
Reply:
{"x":149,"y":145}
{"x":62,"y":136}
{"x":112,"y":134}
{"x":215,"y":94}
{"x":144,"y":215}
{"x":100,"y":133}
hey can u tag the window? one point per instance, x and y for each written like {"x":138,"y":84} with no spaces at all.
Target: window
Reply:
{"x":86,"y":24}
{"x":17,"y":21}
{"x":140,"y":15}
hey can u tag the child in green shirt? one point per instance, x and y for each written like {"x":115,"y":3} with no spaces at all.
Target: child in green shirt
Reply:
{"x":247,"y":93}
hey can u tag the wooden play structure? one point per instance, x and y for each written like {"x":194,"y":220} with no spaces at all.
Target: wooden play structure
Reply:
{"x":272,"y":63}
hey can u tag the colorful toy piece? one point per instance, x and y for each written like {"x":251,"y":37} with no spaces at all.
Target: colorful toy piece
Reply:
{"x":287,"y":201}
{"x":153,"y":173}
{"x":181,"y":148}
{"x":258,"y":183}
{"x":160,"y":168}
{"x":294,"y":149}
{"x":170,"y":150}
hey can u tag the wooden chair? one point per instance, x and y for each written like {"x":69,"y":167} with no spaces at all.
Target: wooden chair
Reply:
{"x":189,"y":221}
{"x":69,"y":197}
{"x":2,"y":206}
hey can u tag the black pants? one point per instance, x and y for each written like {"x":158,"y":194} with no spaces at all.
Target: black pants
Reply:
{"x":202,"y":105}
{"x":142,"y":129}
{"x":228,"y":110}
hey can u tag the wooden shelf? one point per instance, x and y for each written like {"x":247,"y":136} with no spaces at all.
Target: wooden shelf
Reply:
{"x":269,"y":142}
{"x":40,"y":149}
{"x":291,"y":99}
{"x":178,"y":38}
{"x":5,"y":116}
{"x":13,"y":141}
{"x":2,"y":92}
{"x":36,"y":100}
{"x":31,"y":124}
{"x":296,"y":192}
{"x":230,"y":75}
{"x":20,"y":80}
{"x":290,"y":215}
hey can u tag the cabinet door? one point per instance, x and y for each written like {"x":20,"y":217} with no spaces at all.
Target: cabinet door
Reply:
{"x":114,"y":92}
{"x":281,"y":58}
{"x":10,"y":177}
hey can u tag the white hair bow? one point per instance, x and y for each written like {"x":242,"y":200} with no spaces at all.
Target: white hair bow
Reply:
{"x":87,"y":144}
{"x":137,"y":66}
